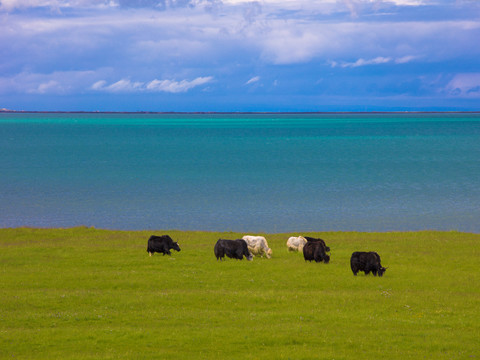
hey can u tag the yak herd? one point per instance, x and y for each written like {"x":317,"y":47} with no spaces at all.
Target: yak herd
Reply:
{"x":249,"y":246}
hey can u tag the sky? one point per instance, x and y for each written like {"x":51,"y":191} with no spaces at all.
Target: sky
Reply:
{"x":238,"y":55}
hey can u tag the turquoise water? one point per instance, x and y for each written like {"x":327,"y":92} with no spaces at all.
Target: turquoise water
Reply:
{"x":251,"y":173}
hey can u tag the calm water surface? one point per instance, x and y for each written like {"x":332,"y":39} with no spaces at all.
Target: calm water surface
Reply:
{"x":248,"y":173}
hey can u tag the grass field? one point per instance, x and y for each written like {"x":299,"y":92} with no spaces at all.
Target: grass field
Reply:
{"x":84,"y":293}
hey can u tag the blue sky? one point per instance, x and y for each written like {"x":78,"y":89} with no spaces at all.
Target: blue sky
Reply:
{"x":236,"y":55}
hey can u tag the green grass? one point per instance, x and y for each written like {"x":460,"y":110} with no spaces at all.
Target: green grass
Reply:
{"x":84,"y":293}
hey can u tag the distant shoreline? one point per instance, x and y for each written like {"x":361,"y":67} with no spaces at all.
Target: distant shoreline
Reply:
{"x":7,"y":111}
{"x":232,"y":232}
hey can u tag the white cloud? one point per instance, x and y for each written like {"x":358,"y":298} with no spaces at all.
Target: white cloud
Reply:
{"x":20,"y":4}
{"x":302,"y":3}
{"x":58,"y":82}
{"x":299,"y":41}
{"x":190,"y":35}
{"x":406,"y":2}
{"x":173,"y":86}
{"x":124,"y":85}
{"x":294,"y":44}
{"x":406,"y":59}
{"x":11,"y":4}
{"x":57,"y":5}
{"x":375,"y":61}
{"x":170,"y":86}
{"x":80,"y":81}
{"x":465,"y":85}
{"x":253,"y":80}
{"x":51,"y":86}
{"x":363,"y":62}
{"x":99,"y":85}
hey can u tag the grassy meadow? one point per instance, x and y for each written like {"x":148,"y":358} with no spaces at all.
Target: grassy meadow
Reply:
{"x":83,"y":293}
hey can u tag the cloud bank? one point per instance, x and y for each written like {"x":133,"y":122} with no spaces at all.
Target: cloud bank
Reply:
{"x":169,"y":86}
{"x":327,"y":50}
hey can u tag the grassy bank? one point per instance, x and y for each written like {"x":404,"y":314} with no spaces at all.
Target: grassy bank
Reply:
{"x":83,"y":293}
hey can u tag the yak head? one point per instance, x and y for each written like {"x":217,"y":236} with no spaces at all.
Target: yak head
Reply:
{"x":269,"y":253}
{"x":249,"y":257}
{"x":326,"y":259}
{"x":175,"y":246}
{"x":381,"y":270}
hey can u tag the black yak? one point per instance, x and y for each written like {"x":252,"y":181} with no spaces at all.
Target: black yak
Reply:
{"x":161,"y":244}
{"x":315,"y":250}
{"x":235,"y":249}
{"x":366,"y":262}
{"x":311,"y":239}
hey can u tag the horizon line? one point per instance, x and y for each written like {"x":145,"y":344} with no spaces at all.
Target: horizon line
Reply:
{"x":238,"y":112}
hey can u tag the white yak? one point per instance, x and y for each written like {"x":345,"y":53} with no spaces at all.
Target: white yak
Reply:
{"x":258,"y":245}
{"x":296,"y":243}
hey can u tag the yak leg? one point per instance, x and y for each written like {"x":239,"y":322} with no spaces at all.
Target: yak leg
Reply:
{"x":166,"y":250}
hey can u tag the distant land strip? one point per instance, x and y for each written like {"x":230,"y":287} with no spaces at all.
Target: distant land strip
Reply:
{"x":236,"y":112}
